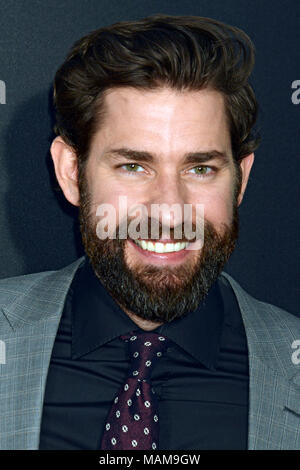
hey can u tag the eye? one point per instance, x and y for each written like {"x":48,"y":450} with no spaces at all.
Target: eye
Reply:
{"x":131,"y":167}
{"x":199,"y":171}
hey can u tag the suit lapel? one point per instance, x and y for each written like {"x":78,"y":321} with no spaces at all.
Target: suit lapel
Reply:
{"x":274,"y":410}
{"x":22,"y":382}
{"x":32,"y":320}
{"x":29,"y":335}
{"x":274,"y":381}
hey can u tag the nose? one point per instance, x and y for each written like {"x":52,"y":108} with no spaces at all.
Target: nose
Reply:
{"x":167,"y":199}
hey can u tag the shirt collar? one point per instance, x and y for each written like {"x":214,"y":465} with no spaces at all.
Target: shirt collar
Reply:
{"x":98,"y":319}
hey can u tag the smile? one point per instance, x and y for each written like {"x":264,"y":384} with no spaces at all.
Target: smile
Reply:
{"x":159,"y":247}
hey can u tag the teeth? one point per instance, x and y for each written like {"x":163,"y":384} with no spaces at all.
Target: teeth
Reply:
{"x":143,"y":244}
{"x":161,"y":247}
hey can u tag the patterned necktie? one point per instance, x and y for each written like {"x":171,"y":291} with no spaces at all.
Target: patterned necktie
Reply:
{"x":132,"y":422}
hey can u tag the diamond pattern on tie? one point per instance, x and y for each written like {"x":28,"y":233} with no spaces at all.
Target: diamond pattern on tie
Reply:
{"x":132,"y":422}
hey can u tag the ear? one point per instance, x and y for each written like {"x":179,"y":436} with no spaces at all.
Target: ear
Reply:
{"x":66,"y":169}
{"x":246,"y":165}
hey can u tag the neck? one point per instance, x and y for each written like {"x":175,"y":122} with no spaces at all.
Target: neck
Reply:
{"x":146,"y":325}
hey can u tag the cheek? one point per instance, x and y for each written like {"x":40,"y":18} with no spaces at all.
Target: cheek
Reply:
{"x":115,"y":199}
{"x":218,"y":207}
{"x":104,"y":190}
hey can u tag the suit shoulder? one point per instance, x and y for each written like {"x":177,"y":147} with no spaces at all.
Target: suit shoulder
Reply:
{"x":266,"y":311}
{"x":280,"y":314}
{"x":22,"y":296}
{"x":24,"y":278}
{"x":24,"y":282}
{"x":11,"y":287}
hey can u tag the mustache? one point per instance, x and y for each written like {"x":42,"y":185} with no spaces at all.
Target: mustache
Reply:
{"x":153,"y":229}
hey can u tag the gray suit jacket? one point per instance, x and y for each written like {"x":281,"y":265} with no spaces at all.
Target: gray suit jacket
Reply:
{"x":30,"y":311}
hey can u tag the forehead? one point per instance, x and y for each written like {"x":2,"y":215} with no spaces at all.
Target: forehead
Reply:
{"x":164,"y":119}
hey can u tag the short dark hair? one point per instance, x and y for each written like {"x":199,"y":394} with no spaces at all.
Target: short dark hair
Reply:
{"x":182,"y":52}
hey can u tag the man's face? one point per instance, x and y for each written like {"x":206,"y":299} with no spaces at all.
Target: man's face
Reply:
{"x":162,"y":127}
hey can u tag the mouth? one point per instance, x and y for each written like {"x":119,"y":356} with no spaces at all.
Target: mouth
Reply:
{"x":163,"y":246}
{"x":162,"y":252}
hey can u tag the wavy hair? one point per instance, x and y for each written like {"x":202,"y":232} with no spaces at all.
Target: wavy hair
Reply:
{"x":182,"y":52}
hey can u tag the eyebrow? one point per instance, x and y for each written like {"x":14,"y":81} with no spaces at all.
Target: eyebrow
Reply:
{"x":189,"y":157}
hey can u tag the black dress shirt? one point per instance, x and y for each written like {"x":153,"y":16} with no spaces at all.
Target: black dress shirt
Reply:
{"x":201,"y":381}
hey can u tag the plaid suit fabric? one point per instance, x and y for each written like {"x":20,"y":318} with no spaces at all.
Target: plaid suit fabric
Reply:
{"x":30,"y":311}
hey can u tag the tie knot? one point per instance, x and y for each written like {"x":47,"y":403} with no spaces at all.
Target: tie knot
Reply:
{"x":144,"y":349}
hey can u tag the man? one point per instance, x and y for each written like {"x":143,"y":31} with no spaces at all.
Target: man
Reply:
{"x":153,"y":112}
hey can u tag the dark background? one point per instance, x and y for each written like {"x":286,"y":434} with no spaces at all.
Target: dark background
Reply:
{"x":38,"y":229}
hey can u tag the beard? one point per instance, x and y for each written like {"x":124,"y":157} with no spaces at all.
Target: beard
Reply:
{"x":156,"y":293}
